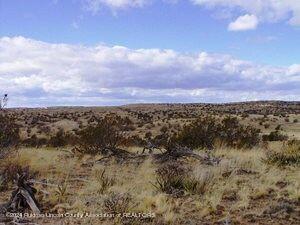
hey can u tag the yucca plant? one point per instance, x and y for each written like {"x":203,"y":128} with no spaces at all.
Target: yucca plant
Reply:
{"x":117,"y":203}
{"x":191,"y":185}
{"x":170,"y":178}
{"x":62,"y":191}
{"x":104,"y":181}
{"x":169,"y":185}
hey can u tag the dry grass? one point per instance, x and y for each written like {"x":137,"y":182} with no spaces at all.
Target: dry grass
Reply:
{"x":48,"y":162}
{"x":241,"y":178}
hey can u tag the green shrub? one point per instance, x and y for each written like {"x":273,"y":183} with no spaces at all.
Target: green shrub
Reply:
{"x":233,"y":134}
{"x":275,"y":136}
{"x":107,"y":134}
{"x":201,"y":133}
{"x":206,"y":131}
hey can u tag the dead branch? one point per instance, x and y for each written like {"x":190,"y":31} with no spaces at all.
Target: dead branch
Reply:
{"x":176,"y":152}
{"x":172,"y":153}
{"x":30,"y":201}
{"x":23,"y":197}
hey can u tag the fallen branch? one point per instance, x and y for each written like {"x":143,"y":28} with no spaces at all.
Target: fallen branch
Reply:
{"x":177,"y":152}
{"x":23,"y":197}
{"x":172,"y":153}
{"x":30,"y":201}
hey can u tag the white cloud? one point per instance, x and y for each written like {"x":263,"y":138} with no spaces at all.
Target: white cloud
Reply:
{"x":268,"y":11}
{"x":265,"y":11}
{"x":40,"y":73}
{"x":246,"y":22}
{"x":294,"y":70}
{"x":96,"y":5}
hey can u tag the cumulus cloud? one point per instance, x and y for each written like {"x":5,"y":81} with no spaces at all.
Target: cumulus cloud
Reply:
{"x":269,"y":11}
{"x":40,"y":73}
{"x":246,"y":22}
{"x":294,"y":69}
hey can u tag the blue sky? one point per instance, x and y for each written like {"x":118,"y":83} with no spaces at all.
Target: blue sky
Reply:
{"x":227,"y":50}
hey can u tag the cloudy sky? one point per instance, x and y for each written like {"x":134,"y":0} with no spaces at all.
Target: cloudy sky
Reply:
{"x":112,"y":52}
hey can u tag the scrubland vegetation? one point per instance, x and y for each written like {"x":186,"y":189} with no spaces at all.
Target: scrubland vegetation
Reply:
{"x":157,"y":164}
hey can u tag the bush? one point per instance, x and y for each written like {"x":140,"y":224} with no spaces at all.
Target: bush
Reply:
{"x":205,"y":132}
{"x":233,"y":134}
{"x":289,"y":156}
{"x":201,"y":133}
{"x":107,"y":134}
{"x":274,"y":136}
{"x":34,"y":141}
{"x":61,"y":139}
{"x":9,"y":133}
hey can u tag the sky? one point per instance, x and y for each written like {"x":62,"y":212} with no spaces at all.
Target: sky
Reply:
{"x":115,"y":52}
